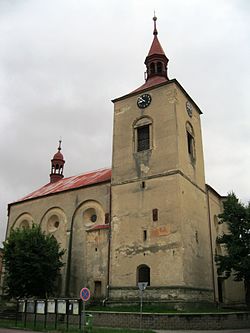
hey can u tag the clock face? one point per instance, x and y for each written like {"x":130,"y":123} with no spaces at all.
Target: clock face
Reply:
{"x":189,"y":109}
{"x":143,"y":101}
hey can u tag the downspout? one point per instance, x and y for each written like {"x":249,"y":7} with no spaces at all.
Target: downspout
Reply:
{"x":69,"y":257}
{"x":211,"y":243}
{"x":109,"y":243}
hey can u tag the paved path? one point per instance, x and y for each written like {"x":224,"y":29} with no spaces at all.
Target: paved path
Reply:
{"x":247,"y":330}
{"x":8,"y":330}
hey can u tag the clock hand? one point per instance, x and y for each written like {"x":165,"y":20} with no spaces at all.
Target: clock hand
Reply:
{"x":141,"y":100}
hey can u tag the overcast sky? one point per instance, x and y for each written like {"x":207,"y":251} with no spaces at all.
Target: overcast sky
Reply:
{"x":62,"y":61}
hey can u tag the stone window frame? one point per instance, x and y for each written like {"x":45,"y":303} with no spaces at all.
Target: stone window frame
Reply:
{"x":24,"y":217}
{"x":53,"y":220}
{"x":140,"y":123}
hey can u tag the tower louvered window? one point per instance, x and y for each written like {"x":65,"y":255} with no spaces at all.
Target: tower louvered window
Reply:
{"x":143,"y":142}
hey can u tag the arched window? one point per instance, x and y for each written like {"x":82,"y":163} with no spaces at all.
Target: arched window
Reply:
{"x":53,"y":223}
{"x":152,"y":68}
{"x":143,"y":134}
{"x":190,"y":141}
{"x":24,"y":221}
{"x":24,"y":224}
{"x":57,"y":168}
{"x":159,"y":67}
{"x":143,"y":274}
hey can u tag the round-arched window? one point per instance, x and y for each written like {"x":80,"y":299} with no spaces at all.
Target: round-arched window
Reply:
{"x":90,"y":215}
{"x":143,"y":274}
{"x":53,"y":223}
{"x":24,"y":224}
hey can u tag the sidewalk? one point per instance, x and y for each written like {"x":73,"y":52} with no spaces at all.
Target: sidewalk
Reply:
{"x":246,"y":330}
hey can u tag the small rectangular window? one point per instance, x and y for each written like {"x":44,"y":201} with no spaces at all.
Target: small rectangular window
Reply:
{"x":107,"y":218}
{"x":145,"y":236}
{"x":155,"y":214}
{"x":98,"y":289}
{"x":190,"y":141}
{"x":143,"y":138}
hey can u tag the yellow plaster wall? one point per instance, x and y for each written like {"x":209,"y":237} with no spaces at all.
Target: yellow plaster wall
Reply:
{"x":131,"y":216}
{"x":68,"y":206}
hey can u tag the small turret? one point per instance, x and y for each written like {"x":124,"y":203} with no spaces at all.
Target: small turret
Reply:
{"x":156,"y":60}
{"x":57,"y":164}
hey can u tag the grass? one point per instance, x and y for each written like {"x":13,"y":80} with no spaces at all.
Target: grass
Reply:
{"x":62,"y":328}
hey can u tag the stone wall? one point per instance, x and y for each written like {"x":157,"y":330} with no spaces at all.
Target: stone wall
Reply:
{"x":187,"y":321}
{"x":172,"y":321}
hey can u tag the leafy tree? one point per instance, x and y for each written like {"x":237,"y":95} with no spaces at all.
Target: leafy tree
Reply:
{"x":32,"y":262}
{"x":236,"y":260}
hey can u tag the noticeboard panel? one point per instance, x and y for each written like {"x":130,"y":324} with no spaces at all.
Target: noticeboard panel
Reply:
{"x":51,"y":306}
{"x":73,"y":307}
{"x":21,"y":305}
{"x":30,"y":308}
{"x":40,"y":307}
{"x":61,"y":306}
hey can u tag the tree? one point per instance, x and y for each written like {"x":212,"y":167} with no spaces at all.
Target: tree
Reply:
{"x":236,"y":260}
{"x":32,"y":262}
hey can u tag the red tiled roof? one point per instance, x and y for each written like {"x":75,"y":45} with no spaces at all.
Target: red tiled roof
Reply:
{"x":156,"y":47}
{"x":153,"y":81}
{"x":99,"y":227}
{"x":58,"y":156}
{"x":71,"y":183}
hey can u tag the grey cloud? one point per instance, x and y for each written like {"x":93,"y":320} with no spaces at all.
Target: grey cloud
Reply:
{"x":61,"y":63}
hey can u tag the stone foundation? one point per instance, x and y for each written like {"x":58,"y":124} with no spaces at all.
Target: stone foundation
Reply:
{"x":161,"y":294}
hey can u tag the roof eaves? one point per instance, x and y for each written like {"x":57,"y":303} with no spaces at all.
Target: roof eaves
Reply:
{"x":211,"y":189}
{"x":58,"y":192}
{"x":133,"y":93}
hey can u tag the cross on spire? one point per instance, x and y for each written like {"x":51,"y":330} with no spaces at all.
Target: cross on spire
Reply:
{"x":155,"y":33}
{"x":60,"y":143}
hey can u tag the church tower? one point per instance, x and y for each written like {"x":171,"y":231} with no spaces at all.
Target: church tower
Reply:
{"x":160,"y":231}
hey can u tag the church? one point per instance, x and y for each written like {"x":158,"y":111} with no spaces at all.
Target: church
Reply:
{"x":150,"y":217}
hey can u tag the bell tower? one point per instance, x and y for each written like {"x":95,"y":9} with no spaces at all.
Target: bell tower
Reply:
{"x":156,"y":60}
{"x":57,"y":165}
{"x":160,"y":231}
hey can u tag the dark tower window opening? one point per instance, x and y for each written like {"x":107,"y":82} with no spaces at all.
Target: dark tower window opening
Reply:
{"x":159,"y":67}
{"x":143,"y":274}
{"x":152,"y":68}
{"x":155,"y":214}
{"x":145,"y":235}
{"x":57,"y":168}
{"x":143,"y":142}
{"x":190,"y":141}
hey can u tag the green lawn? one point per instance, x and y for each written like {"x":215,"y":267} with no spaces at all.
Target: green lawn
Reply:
{"x":62,"y":328}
